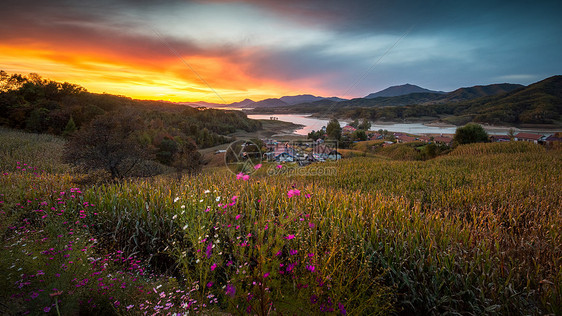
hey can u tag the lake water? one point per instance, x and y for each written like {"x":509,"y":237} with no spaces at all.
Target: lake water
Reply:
{"x":311,"y":124}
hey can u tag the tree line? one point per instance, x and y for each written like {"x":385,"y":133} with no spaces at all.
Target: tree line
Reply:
{"x":125,"y":136}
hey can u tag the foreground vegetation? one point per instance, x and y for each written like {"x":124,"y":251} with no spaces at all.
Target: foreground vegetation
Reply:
{"x":477,"y":231}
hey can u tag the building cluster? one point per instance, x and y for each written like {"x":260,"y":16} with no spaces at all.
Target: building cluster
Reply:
{"x":302,"y":152}
{"x":447,"y":139}
{"x":305,"y":152}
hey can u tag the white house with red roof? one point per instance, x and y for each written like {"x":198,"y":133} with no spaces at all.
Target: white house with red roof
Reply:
{"x":528,"y":137}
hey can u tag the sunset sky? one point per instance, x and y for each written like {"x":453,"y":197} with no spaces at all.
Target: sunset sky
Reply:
{"x":226,"y":51}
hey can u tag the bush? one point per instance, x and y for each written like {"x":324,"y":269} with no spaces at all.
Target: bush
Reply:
{"x":470,"y":133}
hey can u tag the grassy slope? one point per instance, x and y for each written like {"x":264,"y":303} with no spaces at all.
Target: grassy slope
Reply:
{"x":477,"y":231}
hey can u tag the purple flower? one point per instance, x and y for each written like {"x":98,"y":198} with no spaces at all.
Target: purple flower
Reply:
{"x":213,"y":267}
{"x":209,"y":284}
{"x":266,"y":275}
{"x":310,"y":268}
{"x":342,"y":309}
{"x":47,"y":309}
{"x":209,"y":250}
{"x":230,"y":290}
{"x":293,"y":252}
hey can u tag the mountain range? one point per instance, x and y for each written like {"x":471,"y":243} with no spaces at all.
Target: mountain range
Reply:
{"x":538,"y":103}
{"x":423,"y":98}
{"x":267,"y":103}
{"x":392,"y":96}
{"x":404,"y":89}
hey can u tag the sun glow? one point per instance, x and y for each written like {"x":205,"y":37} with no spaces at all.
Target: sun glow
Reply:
{"x":189,"y":78}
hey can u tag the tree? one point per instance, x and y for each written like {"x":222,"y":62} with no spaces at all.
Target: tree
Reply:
{"x":334,"y":129}
{"x":107,"y":143}
{"x":365,"y":125}
{"x":470,"y":133}
{"x":355,"y":123}
{"x":70,"y":128}
{"x":187,"y":158}
{"x":359,"y":135}
{"x":511,"y":134}
{"x":314,"y":135}
{"x":166,"y":151}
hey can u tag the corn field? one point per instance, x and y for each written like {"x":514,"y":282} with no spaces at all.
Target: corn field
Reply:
{"x":477,"y":231}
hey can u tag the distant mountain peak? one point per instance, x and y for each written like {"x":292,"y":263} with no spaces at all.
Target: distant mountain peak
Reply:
{"x":404,"y":89}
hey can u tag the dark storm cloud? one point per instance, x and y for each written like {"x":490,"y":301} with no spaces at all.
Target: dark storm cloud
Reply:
{"x":439,"y":44}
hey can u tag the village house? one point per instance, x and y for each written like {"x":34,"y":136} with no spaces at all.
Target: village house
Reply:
{"x":424,"y":139}
{"x":443,"y":140}
{"x":499,"y":138}
{"x":348,"y":129}
{"x":323,"y":152}
{"x":280,"y":151}
{"x":528,"y":137}
{"x":553,"y":140}
{"x":405,"y":139}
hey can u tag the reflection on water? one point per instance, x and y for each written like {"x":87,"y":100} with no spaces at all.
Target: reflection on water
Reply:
{"x":311,"y":124}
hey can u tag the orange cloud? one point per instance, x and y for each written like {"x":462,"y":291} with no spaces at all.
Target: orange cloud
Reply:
{"x":155,"y":73}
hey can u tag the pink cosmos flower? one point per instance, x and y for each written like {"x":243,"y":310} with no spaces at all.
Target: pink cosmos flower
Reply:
{"x":239,"y":176}
{"x":293,"y":192}
{"x":266,"y":275}
{"x":246,"y":177}
{"x":256,"y":167}
{"x":213,"y":267}
{"x":290,"y":237}
{"x":279,"y":166}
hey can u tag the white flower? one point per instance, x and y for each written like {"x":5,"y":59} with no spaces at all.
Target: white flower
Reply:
{"x":197,"y":261}
{"x":207,"y":191}
{"x":218,"y":198}
{"x":176,"y":199}
{"x":183,"y":206}
{"x":185,"y":227}
{"x":200,"y":201}
{"x":174,"y":217}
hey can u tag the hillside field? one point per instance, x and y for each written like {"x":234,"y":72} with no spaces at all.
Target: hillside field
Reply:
{"x":476,"y":231}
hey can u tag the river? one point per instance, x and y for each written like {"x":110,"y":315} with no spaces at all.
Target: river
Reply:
{"x":311,"y":123}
